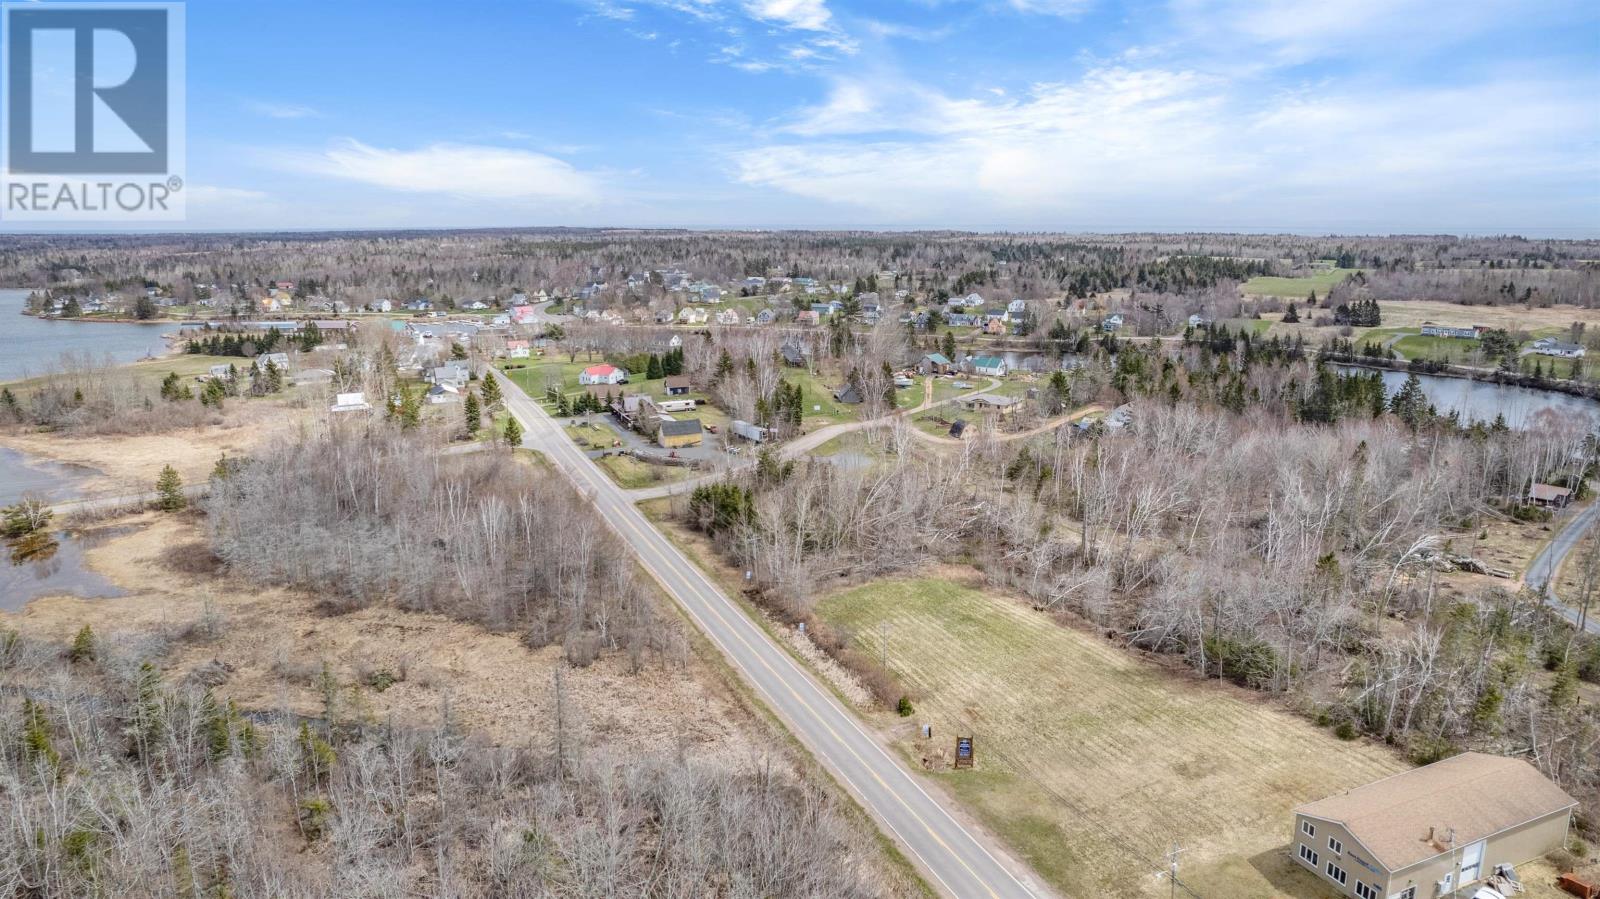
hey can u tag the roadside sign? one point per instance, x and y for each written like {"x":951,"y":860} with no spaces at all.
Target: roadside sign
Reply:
{"x":963,"y":752}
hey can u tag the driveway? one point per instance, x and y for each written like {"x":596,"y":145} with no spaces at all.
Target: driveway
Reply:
{"x":1542,"y":570}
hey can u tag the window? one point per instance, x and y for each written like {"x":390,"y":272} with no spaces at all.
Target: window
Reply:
{"x":1336,"y":873}
{"x":1307,"y":855}
{"x":1308,"y":828}
{"x":1407,"y":893}
{"x":1366,"y":892}
{"x":1334,"y":846}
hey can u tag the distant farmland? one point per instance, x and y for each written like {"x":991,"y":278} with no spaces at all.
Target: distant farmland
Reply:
{"x":1091,"y":761}
{"x":1298,"y":288}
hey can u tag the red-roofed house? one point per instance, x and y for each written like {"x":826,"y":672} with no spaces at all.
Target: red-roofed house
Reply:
{"x":603,"y":374}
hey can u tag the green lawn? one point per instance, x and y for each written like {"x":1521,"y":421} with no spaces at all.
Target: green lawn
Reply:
{"x":1454,"y":349}
{"x":944,"y":388}
{"x":1254,"y":326}
{"x":1091,"y":761}
{"x":1298,"y":288}
{"x":632,"y":474}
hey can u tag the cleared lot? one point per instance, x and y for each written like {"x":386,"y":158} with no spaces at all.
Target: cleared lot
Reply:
{"x":1093,"y":762}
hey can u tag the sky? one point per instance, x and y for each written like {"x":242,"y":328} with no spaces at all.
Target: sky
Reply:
{"x":1358,"y":116}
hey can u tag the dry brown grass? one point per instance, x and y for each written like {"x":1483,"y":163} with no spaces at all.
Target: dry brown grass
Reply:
{"x":130,"y":464}
{"x":1092,"y":761}
{"x":276,"y":643}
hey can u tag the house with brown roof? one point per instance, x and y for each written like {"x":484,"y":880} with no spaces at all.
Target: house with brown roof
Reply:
{"x":1432,"y":830}
{"x":1549,"y":496}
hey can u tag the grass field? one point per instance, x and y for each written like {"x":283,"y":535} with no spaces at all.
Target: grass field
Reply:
{"x":632,"y":474}
{"x":1320,"y":281}
{"x":1091,"y":762}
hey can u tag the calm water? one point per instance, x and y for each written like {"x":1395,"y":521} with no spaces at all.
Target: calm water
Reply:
{"x":62,"y":573}
{"x":1478,"y":401}
{"x":31,"y":346}
{"x":23,"y":475}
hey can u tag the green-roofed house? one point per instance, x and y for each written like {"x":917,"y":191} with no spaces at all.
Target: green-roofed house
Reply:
{"x":993,"y":366}
{"x":934,"y":364}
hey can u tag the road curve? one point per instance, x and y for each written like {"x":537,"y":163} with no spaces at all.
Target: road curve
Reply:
{"x":1542,"y":570}
{"x":957,"y":860}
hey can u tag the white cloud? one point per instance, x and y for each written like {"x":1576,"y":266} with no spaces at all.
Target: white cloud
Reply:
{"x":807,"y":15}
{"x":1126,"y":145}
{"x":1063,"y":8}
{"x":283,"y":110}
{"x":462,"y":170}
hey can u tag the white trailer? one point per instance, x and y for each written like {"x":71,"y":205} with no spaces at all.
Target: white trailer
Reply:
{"x":750,"y":432}
{"x":675,"y":405}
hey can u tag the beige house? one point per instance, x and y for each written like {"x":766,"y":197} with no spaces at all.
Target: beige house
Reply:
{"x":1433,"y":830}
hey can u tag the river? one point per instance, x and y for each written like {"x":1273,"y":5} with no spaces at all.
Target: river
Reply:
{"x":32,"y":346}
{"x":1482,"y":401}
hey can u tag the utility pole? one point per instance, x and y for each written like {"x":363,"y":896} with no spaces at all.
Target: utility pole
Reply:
{"x":1172,"y":869}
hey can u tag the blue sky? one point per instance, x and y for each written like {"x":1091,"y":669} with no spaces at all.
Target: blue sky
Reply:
{"x":1302,"y":115}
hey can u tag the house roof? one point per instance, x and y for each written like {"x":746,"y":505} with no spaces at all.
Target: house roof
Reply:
{"x":601,"y":369}
{"x":681,"y":427}
{"x":987,"y":362}
{"x":674,"y":382}
{"x":1548,"y":492}
{"x":1475,"y":794}
{"x":937,"y":359}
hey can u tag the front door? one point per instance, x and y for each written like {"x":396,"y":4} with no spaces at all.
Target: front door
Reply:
{"x":1472,"y":862}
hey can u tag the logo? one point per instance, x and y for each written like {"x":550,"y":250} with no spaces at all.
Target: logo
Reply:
{"x":93,"y":112}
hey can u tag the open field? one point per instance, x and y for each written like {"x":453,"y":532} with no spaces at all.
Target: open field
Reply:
{"x":1320,"y":281}
{"x":130,"y":463}
{"x":1091,"y":761}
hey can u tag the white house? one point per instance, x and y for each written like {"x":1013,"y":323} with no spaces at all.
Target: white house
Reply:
{"x":1429,"y":329}
{"x":1549,"y":346}
{"x":728,"y":317}
{"x":381,"y":305}
{"x":350,"y":402}
{"x":603,"y":374}
{"x":1016,"y":308}
{"x":1111,"y":323}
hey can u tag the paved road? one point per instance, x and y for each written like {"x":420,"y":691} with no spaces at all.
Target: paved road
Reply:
{"x":954,"y":857}
{"x":1545,"y":565}
{"x":805,"y":443}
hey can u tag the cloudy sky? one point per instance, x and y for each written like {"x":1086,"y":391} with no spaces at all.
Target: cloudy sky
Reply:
{"x":1299,"y":115}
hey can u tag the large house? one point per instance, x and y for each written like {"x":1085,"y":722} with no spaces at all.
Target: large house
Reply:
{"x":1473,"y":332}
{"x":1432,"y":830}
{"x":1549,"y":346}
{"x":1111,"y":323}
{"x":603,"y":374}
{"x":993,"y":366}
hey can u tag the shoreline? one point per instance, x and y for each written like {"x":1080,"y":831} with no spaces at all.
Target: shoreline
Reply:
{"x":1467,"y":373}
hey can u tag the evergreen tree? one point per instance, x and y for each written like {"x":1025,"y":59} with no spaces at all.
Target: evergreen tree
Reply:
{"x":653,"y":370}
{"x":949,"y":345}
{"x":474,"y":414}
{"x":169,"y":491}
{"x":1290,"y":316}
{"x":1410,"y":405}
{"x":491,"y":392}
{"x":513,"y":432}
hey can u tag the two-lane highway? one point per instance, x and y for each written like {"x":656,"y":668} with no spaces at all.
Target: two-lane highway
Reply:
{"x":958,"y":860}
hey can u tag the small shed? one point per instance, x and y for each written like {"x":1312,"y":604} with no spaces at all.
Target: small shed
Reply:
{"x":676,"y":385}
